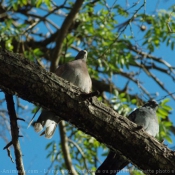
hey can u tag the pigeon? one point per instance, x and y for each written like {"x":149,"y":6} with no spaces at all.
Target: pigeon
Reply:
{"x":146,"y":118}
{"x":75,"y":72}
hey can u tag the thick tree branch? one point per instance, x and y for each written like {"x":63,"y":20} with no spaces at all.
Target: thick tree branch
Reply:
{"x":34,"y":84}
{"x":15,"y":134}
{"x":63,"y":32}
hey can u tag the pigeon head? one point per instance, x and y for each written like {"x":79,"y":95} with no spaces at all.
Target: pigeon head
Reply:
{"x":152,"y":104}
{"x":81,"y":55}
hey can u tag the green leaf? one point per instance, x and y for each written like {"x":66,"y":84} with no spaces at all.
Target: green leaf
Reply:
{"x":172,"y":46}
{"x":38,"y":3}
{"x":162,"y":112}
{"x":49,"y":144}
{"x":37,"y":52}
{"x":134,"y":101}
{"x":168,"y":138}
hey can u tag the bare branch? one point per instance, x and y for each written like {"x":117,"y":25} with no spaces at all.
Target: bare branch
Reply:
{"x":15,"y":134}
{"x":146,"y":55}
{"x":8,"y":145}
{"x":157,"y":81}
{"x":9,"y":154}
{"x":42,"y":18}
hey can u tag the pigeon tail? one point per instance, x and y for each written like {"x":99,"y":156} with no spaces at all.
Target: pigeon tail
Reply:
{"x":47,"y":120}
{"x":113,"y":163}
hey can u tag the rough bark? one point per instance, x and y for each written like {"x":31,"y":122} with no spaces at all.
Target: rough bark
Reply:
{"x":31,"y":82}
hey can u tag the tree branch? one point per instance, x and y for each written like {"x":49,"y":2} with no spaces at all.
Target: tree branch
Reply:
{"x":63,"y":32}
{"x":81,"y":152}
{"x":144,"y":54}
{"x":36,"y":85}
{"x":65,"y":148}
{"x":15,"y":134}
{"x":157,"y":81}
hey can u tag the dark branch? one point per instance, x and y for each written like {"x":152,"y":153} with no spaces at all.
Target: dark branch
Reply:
{"x":15,"y":133}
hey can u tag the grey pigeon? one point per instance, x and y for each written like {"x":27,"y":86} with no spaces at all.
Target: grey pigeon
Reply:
{"x":75,"y":72}
{"x":145,"y":117}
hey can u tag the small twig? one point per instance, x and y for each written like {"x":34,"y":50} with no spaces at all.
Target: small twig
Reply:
{"x":20,"y":119}
{"x":8,"y":145}
{"x":9,"y":154}
{"x":136,"y":81}
{"x":165,"y":96}
{"x":157,"y":81}
{"x":41,"y":18}
{"x":125,"y":24}
{"x":144,"y":54}
{"x":90,"y":95}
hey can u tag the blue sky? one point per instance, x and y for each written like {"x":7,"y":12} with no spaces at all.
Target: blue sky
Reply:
{"x":33,"y":146}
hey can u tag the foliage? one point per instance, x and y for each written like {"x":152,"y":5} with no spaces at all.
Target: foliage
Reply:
{"x":114,"y":53}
